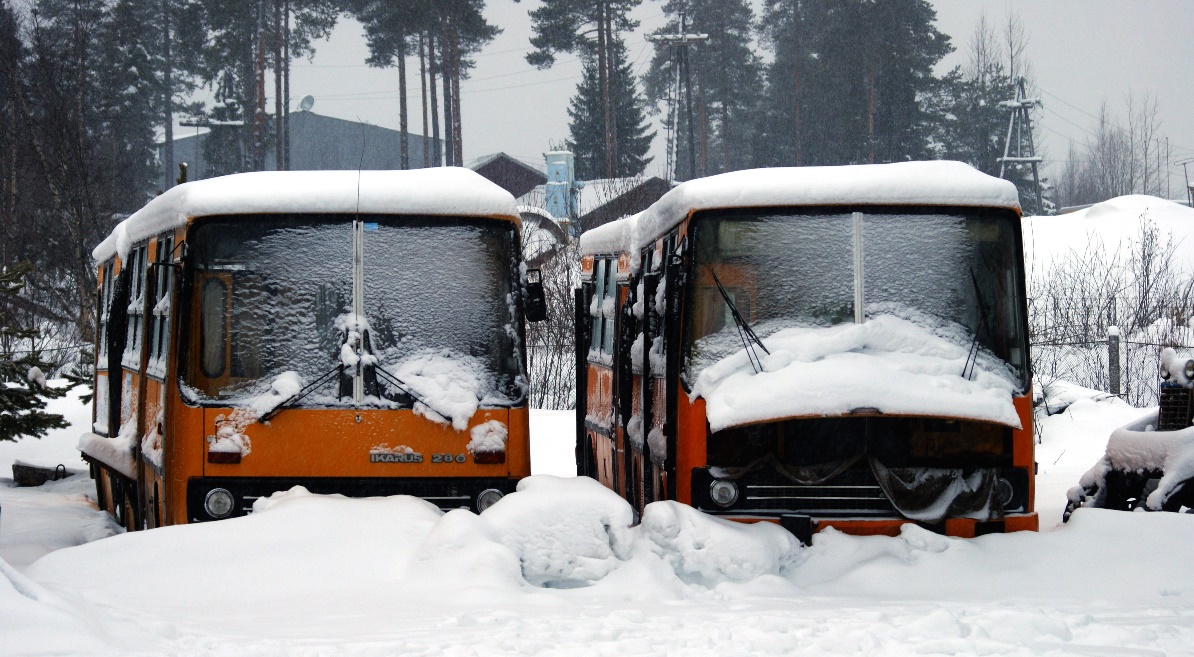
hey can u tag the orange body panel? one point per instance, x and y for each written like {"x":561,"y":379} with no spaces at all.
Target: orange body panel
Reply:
{"x":297,"y":443}
{"x":692,"y":429}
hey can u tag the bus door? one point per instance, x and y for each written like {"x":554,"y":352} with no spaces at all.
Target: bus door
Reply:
{"x":156,"y":312}
{"x":638,"y":382}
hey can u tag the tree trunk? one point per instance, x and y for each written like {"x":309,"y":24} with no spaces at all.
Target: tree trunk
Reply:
{"x":457,"y":141}
{"x":725,"y":135}
{"x":612,"y":107}
{"x":796,"y":60}
{"x":423,"y":98}
{"x":436,"y":143}
{"x":259,"y":91}
{"x":704,"y":129}
{"x":286,"y":84}
{"x":870,"y":110}
{"x":603,"y":75}
{"x":403,"y":147}
{"x":168,"y":97}
{"x":449,"y":101}
{"x":279,"y":142}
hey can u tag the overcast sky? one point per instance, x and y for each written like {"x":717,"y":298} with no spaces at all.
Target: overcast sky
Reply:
{"x":1083,"y":52}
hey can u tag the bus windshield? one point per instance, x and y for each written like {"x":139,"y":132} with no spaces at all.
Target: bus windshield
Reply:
{"x":956,"y":272}
{"x":275,"y":295}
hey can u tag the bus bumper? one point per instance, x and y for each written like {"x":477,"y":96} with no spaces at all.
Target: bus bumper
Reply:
{"x":446,"y":493}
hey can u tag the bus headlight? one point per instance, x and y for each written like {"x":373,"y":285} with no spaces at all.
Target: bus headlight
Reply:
{"x":723,"y":492}
{"x":1164,"y":373}
{"x":218,"y":503}
{"x":1189,"y":370}
{"x":488,"y":498}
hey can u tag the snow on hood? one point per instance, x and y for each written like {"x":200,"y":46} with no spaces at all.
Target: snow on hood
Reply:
{"x":886,"y":363}
{"x":435,"y":191}
{"x":900,"y":183}
{"x":450,"y":387}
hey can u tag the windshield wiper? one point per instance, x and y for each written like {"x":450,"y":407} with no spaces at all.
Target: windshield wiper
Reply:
{"x":322,"y":380}
{"x":745,"y":332}
{"x":984,"y":324}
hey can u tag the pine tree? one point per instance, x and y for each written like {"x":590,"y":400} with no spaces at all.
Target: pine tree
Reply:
{"x":849,"y":81}
{"x":587,"y":125}
{"x":23,"y":389}
{"x":590,"y":28}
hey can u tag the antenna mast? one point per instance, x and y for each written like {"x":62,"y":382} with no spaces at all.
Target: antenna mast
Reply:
{"x":1019,"y":139}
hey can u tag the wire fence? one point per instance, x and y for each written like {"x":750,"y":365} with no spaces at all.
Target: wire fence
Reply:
{"x":1126,"y":368}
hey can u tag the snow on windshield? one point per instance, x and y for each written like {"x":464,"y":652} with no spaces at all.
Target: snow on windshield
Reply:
{"x":888,"y":363}
{"x":276,"y":296}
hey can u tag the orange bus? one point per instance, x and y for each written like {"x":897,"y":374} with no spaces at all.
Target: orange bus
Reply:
{"x":350,"y":332}
{"x":820,"y":347}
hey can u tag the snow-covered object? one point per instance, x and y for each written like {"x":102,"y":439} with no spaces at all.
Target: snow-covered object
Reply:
{"x":887,"y":363}
{"x":118,"y":452}
{"x":1138,"y":447}
{"x":1176,"y":366}
{"x":436,"y":191}
{"x":488,"y":437}
{"x":614,"y":237}
{"x":450,"y":387}
{"x":36,"y":376}
{"x":707,"y":550}
{"x":941,"y":183}
{"x":566,"y":532}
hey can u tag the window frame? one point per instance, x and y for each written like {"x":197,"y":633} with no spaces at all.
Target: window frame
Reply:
{"x":131,"y":357}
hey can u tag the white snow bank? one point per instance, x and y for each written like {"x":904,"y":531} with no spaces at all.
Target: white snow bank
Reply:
{"x":1114,"y":223}
{"x":435,"y":191}
{"x":310,"y":573}
{"x":886,"y":363}
{"x":901,"y":183}
{"x":58,"y":514}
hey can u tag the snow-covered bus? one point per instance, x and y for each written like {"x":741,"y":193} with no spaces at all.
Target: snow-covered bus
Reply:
{"x":349,"y":332}
{"x":821,"y":347}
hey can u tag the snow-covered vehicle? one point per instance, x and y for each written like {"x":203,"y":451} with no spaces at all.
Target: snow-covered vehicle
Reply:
{"x":821,"y":347}
{"x":348,"y":332}
{"x":1149,"y":463}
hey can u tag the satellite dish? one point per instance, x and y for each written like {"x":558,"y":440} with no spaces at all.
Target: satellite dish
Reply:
{"x":307,"y":103}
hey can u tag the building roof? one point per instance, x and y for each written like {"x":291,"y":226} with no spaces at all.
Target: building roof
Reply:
{"x":510,"y":173}
{"x":433,"y":191}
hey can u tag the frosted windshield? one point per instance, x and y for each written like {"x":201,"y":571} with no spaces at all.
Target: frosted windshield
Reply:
{"x":955,"y":272}
{"x":432,"y":287}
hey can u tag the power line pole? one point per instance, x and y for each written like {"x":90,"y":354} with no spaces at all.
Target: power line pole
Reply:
{"x":1019,"y":124}
{"x":681,"y":42}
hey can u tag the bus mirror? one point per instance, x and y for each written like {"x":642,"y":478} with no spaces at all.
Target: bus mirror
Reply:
{"x":536,"y":308}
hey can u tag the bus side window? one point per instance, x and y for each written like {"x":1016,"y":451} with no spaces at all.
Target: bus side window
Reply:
{"x":212,"y":329}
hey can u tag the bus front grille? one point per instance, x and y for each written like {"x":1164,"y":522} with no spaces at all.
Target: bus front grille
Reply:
{"x":852,"y":493}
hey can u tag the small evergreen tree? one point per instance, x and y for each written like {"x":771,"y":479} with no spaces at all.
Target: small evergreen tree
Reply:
{"x":23,"y":390}
{"x":587,"y":126}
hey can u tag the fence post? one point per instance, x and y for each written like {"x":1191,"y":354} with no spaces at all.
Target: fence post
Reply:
{"x":1113,"y":359}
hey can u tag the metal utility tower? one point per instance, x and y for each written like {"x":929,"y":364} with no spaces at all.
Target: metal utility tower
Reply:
{"x":680,"y":42}
{"x":1019,"y":133}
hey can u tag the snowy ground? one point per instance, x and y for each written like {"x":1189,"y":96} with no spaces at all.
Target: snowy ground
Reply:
{"x":555,"y":570}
